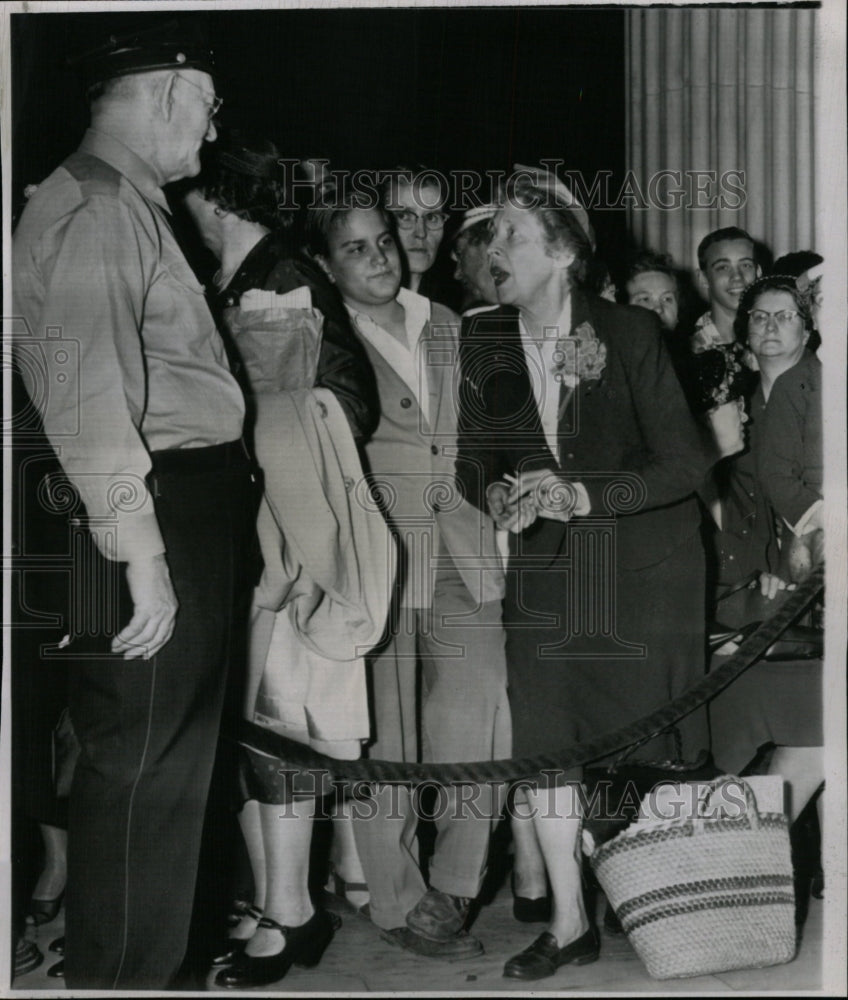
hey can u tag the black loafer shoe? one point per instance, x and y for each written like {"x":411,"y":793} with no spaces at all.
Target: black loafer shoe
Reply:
{"x":304,"y":946}
{"x":57,"y":946}
{"x":544,"y":956}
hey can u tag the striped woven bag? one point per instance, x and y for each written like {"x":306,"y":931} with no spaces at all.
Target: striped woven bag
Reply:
{"x":707,"y":893}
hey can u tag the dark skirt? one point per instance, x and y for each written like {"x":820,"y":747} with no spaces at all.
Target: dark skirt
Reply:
{"x":589,"y":651}
{"x":778,"y":703}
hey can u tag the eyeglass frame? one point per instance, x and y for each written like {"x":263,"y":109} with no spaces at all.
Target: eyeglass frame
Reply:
{"x":211,"y":109}
{"x":399,"y":214}
{"x":783,"y":323}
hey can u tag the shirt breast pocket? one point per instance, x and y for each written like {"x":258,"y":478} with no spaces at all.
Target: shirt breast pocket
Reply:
{"x":176,"y":304}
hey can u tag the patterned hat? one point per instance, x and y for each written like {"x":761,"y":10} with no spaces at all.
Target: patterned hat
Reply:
{"x":475,"y":215}
{"x":561,"y":192}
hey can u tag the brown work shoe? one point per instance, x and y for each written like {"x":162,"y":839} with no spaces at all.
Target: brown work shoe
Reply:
{"x":460,"y":946}
{"x":438,"y":915}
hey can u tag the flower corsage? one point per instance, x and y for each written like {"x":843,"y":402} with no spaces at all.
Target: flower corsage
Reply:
{"x":580,"y":357}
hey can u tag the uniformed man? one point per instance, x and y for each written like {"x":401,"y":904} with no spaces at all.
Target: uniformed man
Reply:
{"x":130,"y":375}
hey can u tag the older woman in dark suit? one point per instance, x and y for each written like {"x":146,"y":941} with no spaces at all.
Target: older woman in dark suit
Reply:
{"x":576,"y":436}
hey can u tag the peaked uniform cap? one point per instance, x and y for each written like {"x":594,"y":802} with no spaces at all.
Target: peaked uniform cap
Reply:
{"x":167,"y":45}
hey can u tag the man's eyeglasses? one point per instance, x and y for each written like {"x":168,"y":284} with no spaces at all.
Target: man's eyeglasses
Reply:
{"x":211,"y":109}
{"x":407,"y":219}
{"x":758,"y":318}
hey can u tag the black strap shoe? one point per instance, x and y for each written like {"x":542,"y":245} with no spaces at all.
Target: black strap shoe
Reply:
{"x":304,"y":946}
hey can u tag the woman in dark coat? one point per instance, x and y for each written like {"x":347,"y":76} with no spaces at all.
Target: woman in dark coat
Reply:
{"x":576,"y":436}
{"x":776,"y":703}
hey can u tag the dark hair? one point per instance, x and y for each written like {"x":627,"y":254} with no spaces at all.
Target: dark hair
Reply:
{"x":774,"y":283}
{"x":646,"y":261}
{"x":796,"y":263}
{"x":243,"y":176}
{"x":334,"y":208}
{"x":411,"y":174}
{"x":559,"y":224}
{"x":728,"y":233}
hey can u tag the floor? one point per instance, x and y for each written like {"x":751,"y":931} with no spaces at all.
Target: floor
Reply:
{"x":358,"y":962}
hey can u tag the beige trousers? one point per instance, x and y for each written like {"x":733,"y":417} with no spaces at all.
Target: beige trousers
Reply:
{"x":455,"y":650}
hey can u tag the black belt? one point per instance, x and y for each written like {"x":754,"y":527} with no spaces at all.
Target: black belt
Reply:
{"x":190,"y":461}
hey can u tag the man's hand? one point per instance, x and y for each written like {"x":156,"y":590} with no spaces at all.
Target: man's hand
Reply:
{"x":154,"y":609}
{"x":551,"y":496}
{"x":514,"y":517}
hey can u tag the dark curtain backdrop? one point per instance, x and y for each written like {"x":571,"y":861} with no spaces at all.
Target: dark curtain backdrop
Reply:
{"x":470,"y":89}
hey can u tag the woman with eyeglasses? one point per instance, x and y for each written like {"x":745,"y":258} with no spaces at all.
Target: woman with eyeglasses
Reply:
{"x":781,"y":334}
{"x":779,"y":472}
{"x":416,"y":196}
{"x":770,"y":520}
{"x":314,"y":396}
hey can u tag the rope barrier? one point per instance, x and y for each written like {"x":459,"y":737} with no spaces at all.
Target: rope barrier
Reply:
{"x":300,"y":757}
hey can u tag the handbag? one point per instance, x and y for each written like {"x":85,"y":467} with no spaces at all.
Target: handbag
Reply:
{"x":279,"y":345}
{"x":708,"y":892}
{"x":613,"y":785}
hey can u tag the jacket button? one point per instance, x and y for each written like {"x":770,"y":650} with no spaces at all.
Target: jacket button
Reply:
{"x":570,"y":455}
{"x":406,"y":402}
{"x":434,"y":449}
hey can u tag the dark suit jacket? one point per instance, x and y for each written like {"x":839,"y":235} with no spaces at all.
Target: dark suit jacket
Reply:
{"x":790,"y":458}
{"x":628,"y":437}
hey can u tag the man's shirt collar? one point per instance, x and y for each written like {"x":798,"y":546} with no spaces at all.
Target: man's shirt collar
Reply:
{"x":112,"y":151}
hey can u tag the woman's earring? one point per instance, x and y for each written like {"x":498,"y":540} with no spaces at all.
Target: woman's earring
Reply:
{"x":219,"y":212}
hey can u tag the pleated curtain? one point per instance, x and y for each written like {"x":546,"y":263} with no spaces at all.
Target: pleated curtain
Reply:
{"x":722,"y":90}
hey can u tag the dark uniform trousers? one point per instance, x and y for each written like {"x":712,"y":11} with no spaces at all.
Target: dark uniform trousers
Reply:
{"x":148,"y":731}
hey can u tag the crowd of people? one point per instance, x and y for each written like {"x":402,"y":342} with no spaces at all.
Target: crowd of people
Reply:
{"x":358,"y":518}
